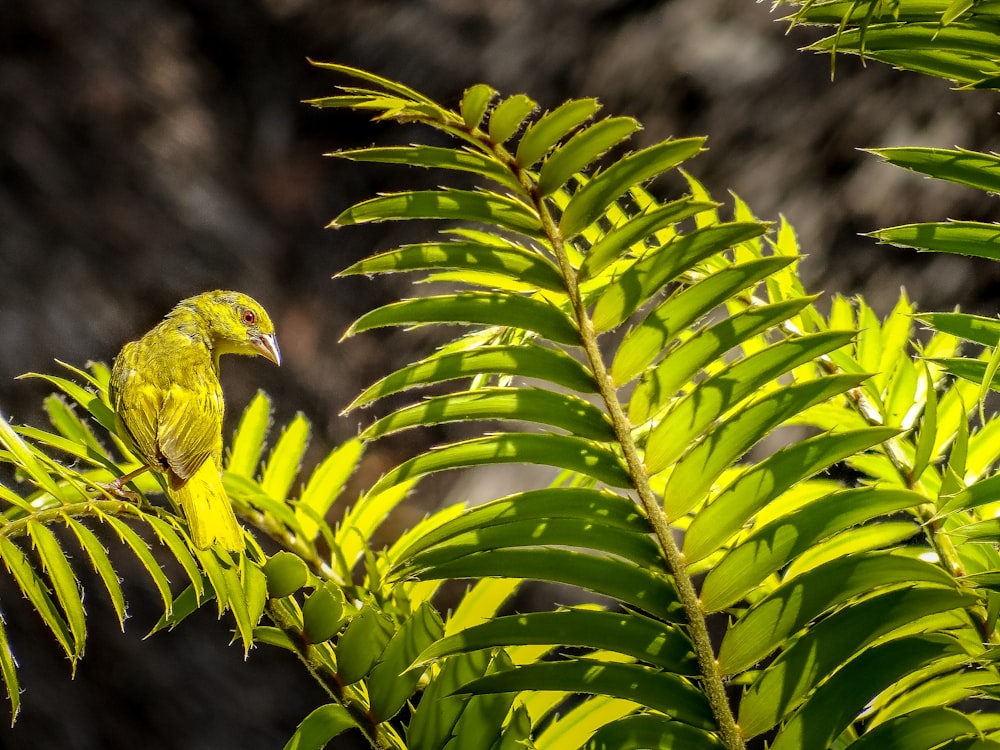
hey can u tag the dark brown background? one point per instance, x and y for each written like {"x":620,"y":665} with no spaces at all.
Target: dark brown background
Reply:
{"x":157,"y":148}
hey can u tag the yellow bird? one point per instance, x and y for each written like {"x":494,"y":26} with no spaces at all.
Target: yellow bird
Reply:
{"x":168,"y":403}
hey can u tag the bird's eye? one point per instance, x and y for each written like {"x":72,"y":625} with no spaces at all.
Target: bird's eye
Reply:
{"x":249,"y":317}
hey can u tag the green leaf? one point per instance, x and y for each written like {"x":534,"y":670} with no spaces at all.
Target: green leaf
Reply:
{"x":433,"y":722}
{"x":638,"y":283}
{"x":797,"y":601}
{"x":973,"y":370}
{"x":552,"y":127}
{"x":695,"y":473}
{"x":606,"y":508}
{"x":976,"y":328}
{"x":922,"y":729}
{"x":661,"y":384}
{"x":650,"y":732}
{"x":563,"y":451}
{"x":141,"y":550}
{"x":508,"y":115}
{"x":248,"y":440}
{"x":581,"y":150}
{"x":483,"y":308}
{"x":638,"y":230}
{"x":354,"y":533}
{"x":642,"y":588}
{"x":831,"y":643}
{"x":593,"y":199}
{"x":970,"y":238}
{"x":837,"y":702}
{"x":8,"y":668}
{"x":286,"y":458}
{"x":234,"y":596}
{"x":321,"y":726}
{"x":325,"y":485}
{"x":361,"y":645}
{"x":964,"y":167}
{"x":724,"y":391}
{"x":524,"y":360}
{"x":486,"y":207}
{"x":578,"y":533}
{"x":658,"y":690}
{"x":475,"y":102}
{"x":644,"y":343}
{"x":66,"y":421}
{"x":35,"y":591}
{"x":980,"y":493}
{"x":655,"y":643}
{"x":24,"y":456}
{"x":757,"y":486}
{"x":392,"y":681}
{"x":775,"y":544}
{"x":171,"y":539}
{"x":567,"y":412}
{"x":64,"y":583}
{"x":437,"y":157}
{"x":924,"y":451}
{"x":101,"y":563}
{"x":386,"y":84}
{"x":511,"y":260}
{"x":482,"y":719}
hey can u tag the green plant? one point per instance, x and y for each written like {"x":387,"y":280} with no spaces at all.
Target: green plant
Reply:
{"x":788,"y":514}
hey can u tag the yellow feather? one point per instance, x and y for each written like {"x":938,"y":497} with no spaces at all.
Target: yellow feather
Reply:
{"x":209,"y":513}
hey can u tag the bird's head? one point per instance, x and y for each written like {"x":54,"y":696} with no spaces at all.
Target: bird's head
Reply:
{"x":236,"y":324}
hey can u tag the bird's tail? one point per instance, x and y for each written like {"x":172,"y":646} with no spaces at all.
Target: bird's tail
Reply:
{"x":208,"y":510}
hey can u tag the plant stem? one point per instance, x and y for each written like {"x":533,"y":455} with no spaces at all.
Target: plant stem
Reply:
{"x":713,"y":685}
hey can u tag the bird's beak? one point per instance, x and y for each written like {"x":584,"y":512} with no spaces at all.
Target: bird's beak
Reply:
{"x":267,"y":345}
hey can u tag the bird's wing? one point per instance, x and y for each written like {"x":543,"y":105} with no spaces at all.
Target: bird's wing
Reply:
{"x":190,"y":428}
{"x":137,"y":405}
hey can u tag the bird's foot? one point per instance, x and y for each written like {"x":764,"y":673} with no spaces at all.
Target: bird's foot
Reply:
{"x":118,"y":489}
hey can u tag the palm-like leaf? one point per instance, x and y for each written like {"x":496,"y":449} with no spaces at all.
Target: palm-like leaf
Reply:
{"x":692,"y":342}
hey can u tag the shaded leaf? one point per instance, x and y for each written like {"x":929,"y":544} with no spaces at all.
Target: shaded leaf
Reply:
{"x":794,"y":603}
{"x":652,"y":642}
{"x":642,"y":588}
{"x":831,"y":643}
{"x":392,"y":681}
{"x":650,"y":732}
{"x":320,"y":726}
{"x":661,"y":691}
{"x":837,"y":702}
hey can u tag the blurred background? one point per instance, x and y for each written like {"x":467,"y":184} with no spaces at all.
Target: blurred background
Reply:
{"x":154,"y":149}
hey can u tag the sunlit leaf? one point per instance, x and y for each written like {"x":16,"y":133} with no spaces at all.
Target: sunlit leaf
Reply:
{"x":486,"y":308}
